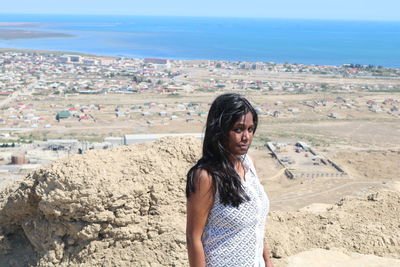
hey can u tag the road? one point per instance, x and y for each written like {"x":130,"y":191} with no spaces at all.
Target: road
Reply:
{"x":28,"y":90}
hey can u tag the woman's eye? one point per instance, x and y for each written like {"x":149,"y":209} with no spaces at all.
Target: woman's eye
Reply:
{"x":237,"y":130}
{"x":251,"y":129}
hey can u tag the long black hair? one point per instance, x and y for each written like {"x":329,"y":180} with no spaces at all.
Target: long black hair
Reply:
{"x":224,"y":112}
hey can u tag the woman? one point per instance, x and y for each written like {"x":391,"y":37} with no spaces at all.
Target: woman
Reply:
{"x":226,"y":204}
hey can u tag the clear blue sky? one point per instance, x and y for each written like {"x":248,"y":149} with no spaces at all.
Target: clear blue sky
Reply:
{"x":313,"y":9}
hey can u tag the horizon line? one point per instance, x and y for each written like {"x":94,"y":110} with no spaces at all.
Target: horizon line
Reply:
{"x":207,"y":16}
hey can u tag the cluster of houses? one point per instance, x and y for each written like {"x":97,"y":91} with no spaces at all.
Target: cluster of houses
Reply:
{"x":388,"y":105}
{"x":47,"y":112}
{"x":346,"y":70}
{"x":50,"y":77}
{"x":79,"y":74}
{"x":73,"y":74}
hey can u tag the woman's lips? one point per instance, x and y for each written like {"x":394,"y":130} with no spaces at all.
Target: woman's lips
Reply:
{"x":243,"y":146}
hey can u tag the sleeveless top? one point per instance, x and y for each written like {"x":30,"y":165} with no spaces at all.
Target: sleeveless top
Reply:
{"x":235,"y":236}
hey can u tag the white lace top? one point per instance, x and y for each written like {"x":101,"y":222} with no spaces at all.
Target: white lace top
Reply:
{"x":235,"y":236}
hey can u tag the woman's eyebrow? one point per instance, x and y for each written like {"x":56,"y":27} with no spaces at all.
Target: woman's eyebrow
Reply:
{"x":242,"y":123}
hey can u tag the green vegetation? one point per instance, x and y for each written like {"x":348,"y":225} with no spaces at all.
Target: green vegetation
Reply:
{"x":7,"y":142}
{"x":40,"y":94}
{"x":205,"y":90}
{"x":262,"y":139}
{"x":174,"y":95}
{"x":395,"y":90}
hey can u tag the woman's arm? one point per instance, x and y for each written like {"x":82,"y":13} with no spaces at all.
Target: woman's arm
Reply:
{"x":266,"y":255}
{"x":198,"y":207}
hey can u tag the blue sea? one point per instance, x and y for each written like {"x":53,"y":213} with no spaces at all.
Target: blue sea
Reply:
{"x":322,"y":42}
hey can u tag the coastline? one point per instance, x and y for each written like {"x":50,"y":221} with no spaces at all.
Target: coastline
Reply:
{"x":8,"y":34}
{"x":18,"y":24}
{"x":61,"y":52}
{"x":55,"y":52}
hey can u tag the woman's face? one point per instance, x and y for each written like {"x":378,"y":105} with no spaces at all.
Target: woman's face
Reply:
{"x":241,"y":135}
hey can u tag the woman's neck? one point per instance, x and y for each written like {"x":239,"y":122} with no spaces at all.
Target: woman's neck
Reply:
{"x":236,"y":159}
{"x":237,"y":162}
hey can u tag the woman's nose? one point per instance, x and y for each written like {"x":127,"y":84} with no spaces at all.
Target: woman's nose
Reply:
{"x":245,"y":135}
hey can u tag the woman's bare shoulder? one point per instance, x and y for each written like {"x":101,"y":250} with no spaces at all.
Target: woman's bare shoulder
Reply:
{"x":203,"y":179}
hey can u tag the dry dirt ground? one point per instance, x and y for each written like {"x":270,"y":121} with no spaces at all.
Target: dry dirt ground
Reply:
{"x":368,"y":170}
{"x":126,"y":207}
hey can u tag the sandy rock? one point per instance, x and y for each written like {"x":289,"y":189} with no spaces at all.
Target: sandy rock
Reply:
{"x":336,"y":257}
{"x":126,"y":207}
{"x":366,"y":225}
{"x":122,"y":207}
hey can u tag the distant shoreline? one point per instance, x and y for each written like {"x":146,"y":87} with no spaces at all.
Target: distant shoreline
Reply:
{"x":60,"y":52}
{"x":8,"y":34}
{"x":19,"y":24}
{"x":39,"y":51}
